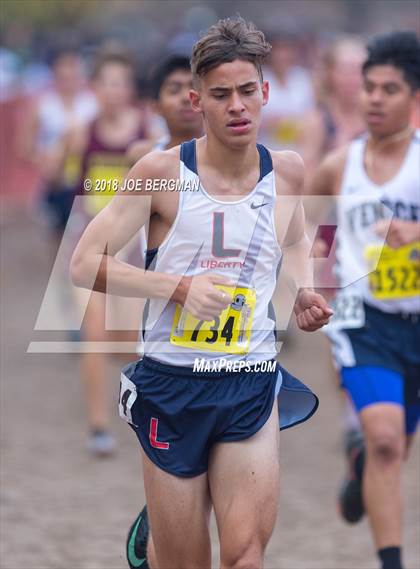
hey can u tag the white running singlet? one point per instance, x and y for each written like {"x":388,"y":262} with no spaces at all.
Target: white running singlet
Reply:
{"x":55,"y":118}
{"x":393,"y":286}
{"x":235,"y":239}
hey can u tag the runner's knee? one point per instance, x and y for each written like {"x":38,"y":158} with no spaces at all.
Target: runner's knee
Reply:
{"x":385,"y":447}
{"x":244,"y":554}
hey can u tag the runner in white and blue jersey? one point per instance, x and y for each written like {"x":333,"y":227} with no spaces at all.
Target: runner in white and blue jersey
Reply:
{"x":207,"y":399}
{"x":375,"y":334}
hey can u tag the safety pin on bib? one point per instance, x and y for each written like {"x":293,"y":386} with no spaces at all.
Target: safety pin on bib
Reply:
{"x":245,"y":314}
{"x":179,"y":328}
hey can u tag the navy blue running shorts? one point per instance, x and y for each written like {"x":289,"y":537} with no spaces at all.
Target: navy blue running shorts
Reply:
{"x":381,"y":362}
{"x":178,"y":414}
{"x":58,"y":203}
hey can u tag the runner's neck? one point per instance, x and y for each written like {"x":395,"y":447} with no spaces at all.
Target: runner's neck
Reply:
{"x":230,"y":163}
{"x":375,"y":145}
{"x":177,"y":139}
{"x":379,"y":142}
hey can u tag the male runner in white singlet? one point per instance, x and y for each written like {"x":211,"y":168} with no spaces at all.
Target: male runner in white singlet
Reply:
{"x":170,"y":85}
{"x":204,"y":401}
{"x":375,"y":333}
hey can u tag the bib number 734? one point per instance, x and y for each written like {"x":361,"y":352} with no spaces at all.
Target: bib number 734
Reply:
{"x":229,"y":333}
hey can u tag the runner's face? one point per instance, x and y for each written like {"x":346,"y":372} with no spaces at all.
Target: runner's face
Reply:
{"x":174,"y":103}
{"x":230,"y":98}
{"x":68,"y":74}
{"x":114,"y":86}
{"x":282,"y":57}
{"x":346,"y":74}
{"x":387,"y":100}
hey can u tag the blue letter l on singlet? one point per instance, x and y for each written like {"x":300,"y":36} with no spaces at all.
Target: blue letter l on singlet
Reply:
{"x":218,"y":249}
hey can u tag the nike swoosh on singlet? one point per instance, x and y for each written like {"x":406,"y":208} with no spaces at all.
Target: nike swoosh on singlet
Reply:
{"x":253,"y":206}
{"x":134,"y":560}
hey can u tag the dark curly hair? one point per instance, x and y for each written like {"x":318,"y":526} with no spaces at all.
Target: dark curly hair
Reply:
{"x":165,"y":68}
{"x":400,"y":49}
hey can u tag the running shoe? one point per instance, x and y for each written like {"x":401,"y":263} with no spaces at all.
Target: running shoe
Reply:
{"x":101,"y":443}
{"x":350,"y":500}
{"x":136,"y":546}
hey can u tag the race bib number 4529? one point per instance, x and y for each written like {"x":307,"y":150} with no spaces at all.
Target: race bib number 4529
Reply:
{"x":229,"y":333}
{"x":397,"y":272}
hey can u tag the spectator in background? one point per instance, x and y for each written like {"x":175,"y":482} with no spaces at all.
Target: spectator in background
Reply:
{"x":337,"y":119}
{"x":171,"y":81}
{"x":291,"y":94}
{"x":334,"y":123}
{"x":68,"y":103}
{"x":103,"y":143}
{"x":103,"y":146}
{"x":63,"y":107}
{"x":375,"y":345}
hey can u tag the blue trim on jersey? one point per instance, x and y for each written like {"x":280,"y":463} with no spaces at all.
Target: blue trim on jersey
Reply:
{"x":151,"y":255}
{"x":188,"y":156}
{"x":266,"y":162}
{"x":149,"y":265}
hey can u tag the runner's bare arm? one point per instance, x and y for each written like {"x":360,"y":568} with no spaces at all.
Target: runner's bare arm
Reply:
{"x":95,"y":267}
{"x":290,"y":218}
{"x":327,"y":178}
{"x":311,"y":309}
{"x":312,"y":142}
{"x":321,"y":192}
{"x":77,"y":139}
{"x":72,"y":143}
{"x":138,"y":149}
{"x":28,"y":146}
{"x":28,"y":134}
{"x":399,"y":233}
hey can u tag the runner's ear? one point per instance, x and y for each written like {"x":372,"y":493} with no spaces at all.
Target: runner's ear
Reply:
{"x":265,"y":91}
{"x":195,"y":100}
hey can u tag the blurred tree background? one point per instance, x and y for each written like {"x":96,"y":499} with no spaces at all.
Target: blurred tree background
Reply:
{"x":146,"y":24}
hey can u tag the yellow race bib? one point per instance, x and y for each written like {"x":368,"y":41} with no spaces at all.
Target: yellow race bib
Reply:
{"x":229,"y":333}
{"x":287,"y":131}
{"x":105,"y":181}
{"x":397,"y":272}
{"x":71,"y":170}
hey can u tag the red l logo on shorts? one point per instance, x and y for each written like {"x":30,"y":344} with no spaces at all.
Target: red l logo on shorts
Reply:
{"x":153,"y":435}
